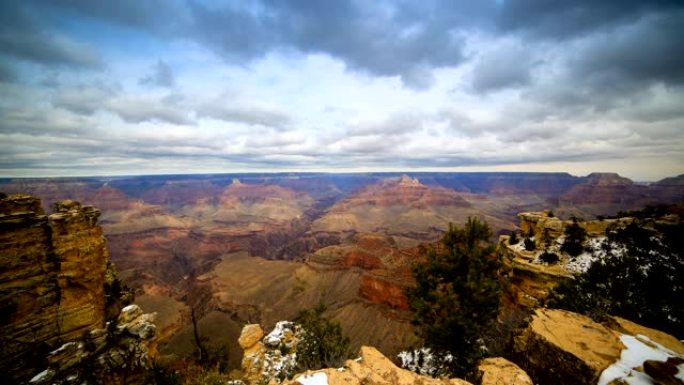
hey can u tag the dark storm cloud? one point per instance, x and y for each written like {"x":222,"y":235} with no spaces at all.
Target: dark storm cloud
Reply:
{"x":381,"y":38}
{"x":23,"y":36}
{"x":503,"y":68}
{"x":649,"y":50}
{"x":161,"y":76}
{"x":564,"y":19}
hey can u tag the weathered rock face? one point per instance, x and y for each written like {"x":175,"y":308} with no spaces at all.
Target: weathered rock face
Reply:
{"x":500,"y":371}
{"x":371,"y":368}
{"x":52,"y":279}
{"x":52,"y":285}
{"x":560,"y":347}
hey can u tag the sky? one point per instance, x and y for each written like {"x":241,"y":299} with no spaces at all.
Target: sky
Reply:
{"x":172,"y":86}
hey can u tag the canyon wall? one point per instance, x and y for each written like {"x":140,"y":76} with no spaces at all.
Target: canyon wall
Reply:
{"x":55,"y":268}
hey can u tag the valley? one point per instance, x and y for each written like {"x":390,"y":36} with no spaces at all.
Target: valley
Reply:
{"x":258,"y":248}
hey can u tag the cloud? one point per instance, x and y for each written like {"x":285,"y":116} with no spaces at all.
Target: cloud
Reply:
{"x":138,"y":109}
{"x":39,"y":121}
{"x":395,"y":124}
{"x":161,"y":76}
{"x":379,"y":38}
{"x":561,"y":20}
{"x":23,"y":37}
{"x":651,"y":50}
{"x":83,"y":99}
{"x":507,"y":65}
{"x":7,"y":73}
{"x":245,"y":111}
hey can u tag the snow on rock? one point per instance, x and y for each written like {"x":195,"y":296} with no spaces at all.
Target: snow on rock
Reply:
{"x":581,"y":263}
{"x":318,"y":378}
{"x":638,"y":349}
{"x":280,"y":333}
{"x":423,"y":361}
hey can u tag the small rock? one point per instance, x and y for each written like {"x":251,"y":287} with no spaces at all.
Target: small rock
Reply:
{"x":664,"y":372}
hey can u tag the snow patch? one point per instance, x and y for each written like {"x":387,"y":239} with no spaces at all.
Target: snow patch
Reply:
{"x":319,"y":378}
{"x":638,"y":349}
{"x":40,"y":377}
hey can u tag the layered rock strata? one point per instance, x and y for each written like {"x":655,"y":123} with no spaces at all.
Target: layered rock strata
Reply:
{"x":55,"y":268}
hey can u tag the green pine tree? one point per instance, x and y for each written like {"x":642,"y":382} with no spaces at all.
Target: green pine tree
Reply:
{"x":456,"y":296}
{"x":323,"y":344}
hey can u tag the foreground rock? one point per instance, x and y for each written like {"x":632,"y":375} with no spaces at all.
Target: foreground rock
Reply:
{"x":371,"y":368}
{"x":561,"y":347}
{"x":500,"y":371}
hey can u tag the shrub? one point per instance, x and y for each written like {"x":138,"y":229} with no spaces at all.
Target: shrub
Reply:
{"x":548,"y":257}
{"x":530,"y":244}
{"x":513,"y":239}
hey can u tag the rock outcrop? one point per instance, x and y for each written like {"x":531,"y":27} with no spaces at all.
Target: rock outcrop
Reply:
{"x":272,"y":358}
{"x":561,"y":347}
{"x":53,"y":282}
{"x":371,"y":368}
{"x":120,"y":353}
{"x":532,"y":279}
{"x":500,"y":371}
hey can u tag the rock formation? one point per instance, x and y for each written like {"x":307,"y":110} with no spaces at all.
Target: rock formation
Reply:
{"x":560,"y":347}
{"x":56,"y":284}
{"x":537,"y":224}
{"x":531,"y":279}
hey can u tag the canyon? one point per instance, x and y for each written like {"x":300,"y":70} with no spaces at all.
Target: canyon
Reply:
{"x":258,"y":248}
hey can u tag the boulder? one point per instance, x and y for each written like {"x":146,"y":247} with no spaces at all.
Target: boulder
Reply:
{"x":561,"y":347}
{"x":500,"y":371}
{"x":251,"y":334}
